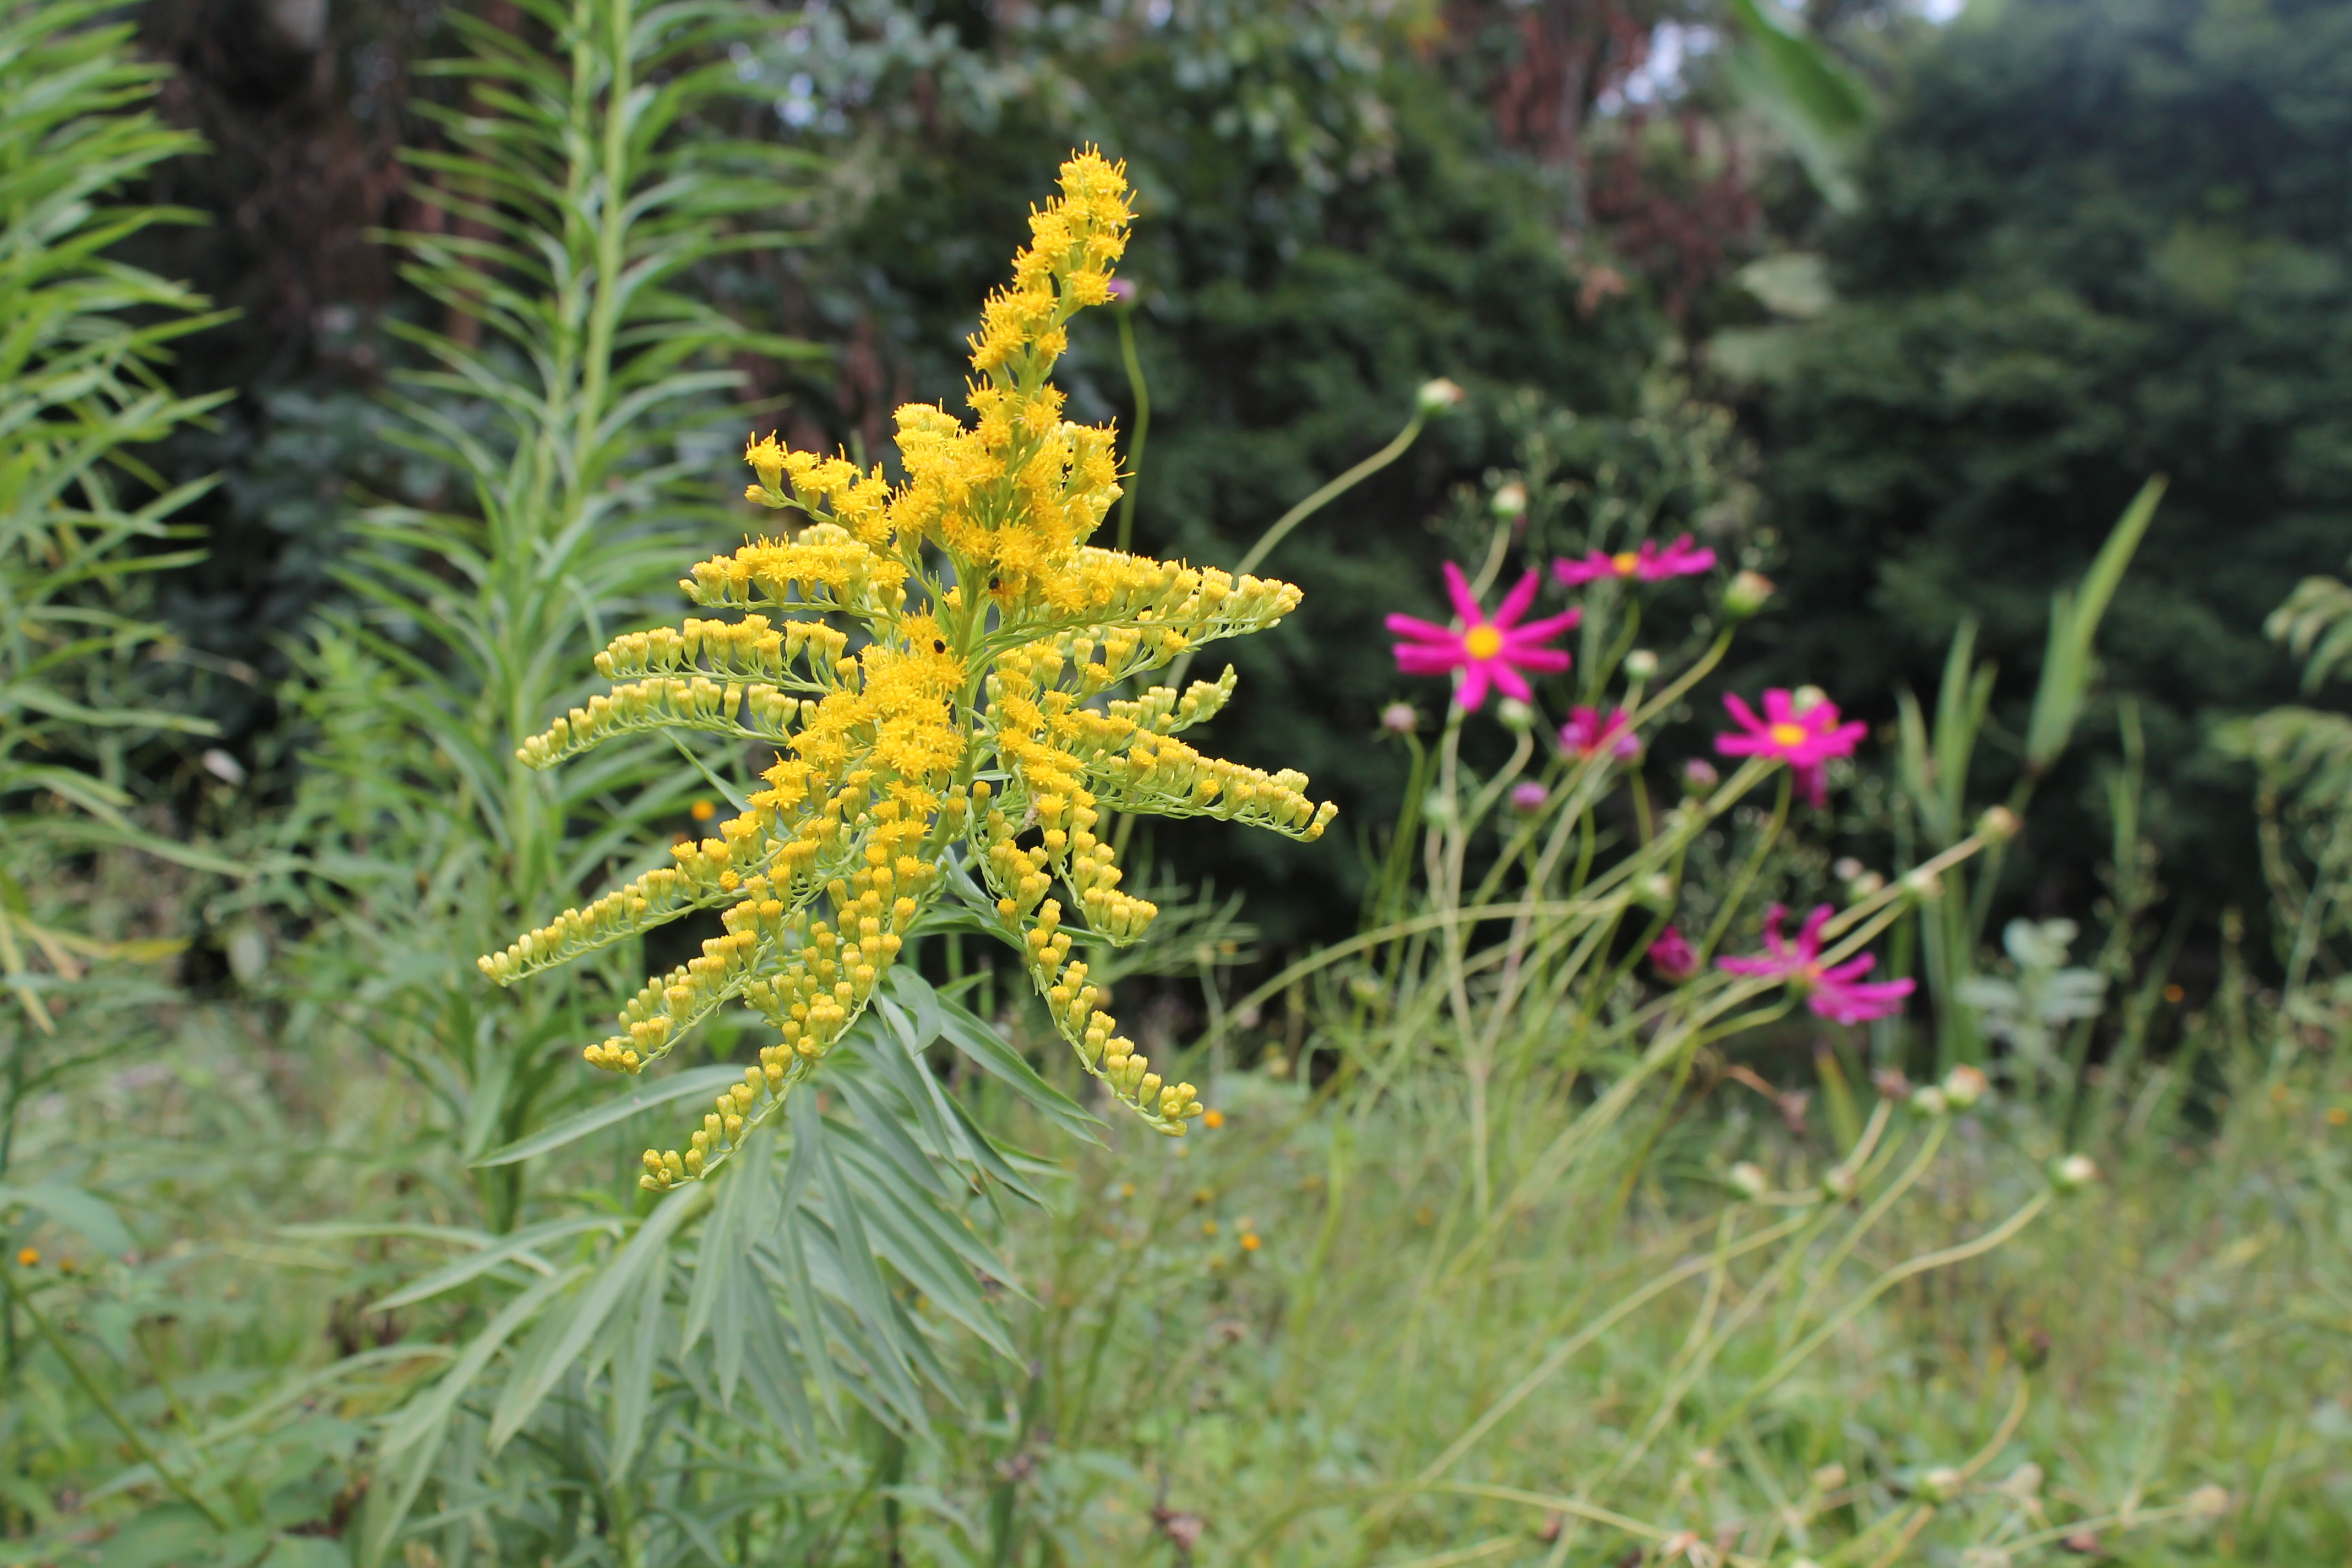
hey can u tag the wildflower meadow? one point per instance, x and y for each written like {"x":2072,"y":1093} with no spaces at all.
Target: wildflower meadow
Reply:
{"x":705,"y":974}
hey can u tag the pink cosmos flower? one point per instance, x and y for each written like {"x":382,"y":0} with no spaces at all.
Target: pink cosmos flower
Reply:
{"x":1651,"y":563}
{"x":1588,"y":734}
{"x":1835,"y":991}
{"x":1528,"y":796}
{"x":1804,"y":738}
{"x":1671,"y":957}
{"x":1489,"y":653}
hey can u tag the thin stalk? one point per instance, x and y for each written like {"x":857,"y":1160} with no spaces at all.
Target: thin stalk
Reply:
{"x":1142,"y":392}
{"x":132,"y":1437}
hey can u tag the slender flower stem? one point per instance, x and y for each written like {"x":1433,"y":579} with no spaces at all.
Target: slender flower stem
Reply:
{"x":130,"y":1434}
{"x":1142,"y":392}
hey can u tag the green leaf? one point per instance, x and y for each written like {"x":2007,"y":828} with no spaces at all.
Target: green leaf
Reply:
{"x":2067,"y":664}
{"x":520,"y":1247}
{"x":985,"y":1048}
{"x":89,"y":1217}
{"x":586,"y":1314}
{"x":704,"y":1081}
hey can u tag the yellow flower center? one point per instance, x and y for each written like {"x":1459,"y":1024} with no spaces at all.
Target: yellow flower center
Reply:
{"x":1788,"y":734}
{"x":1624,"y":560}
{"x":1482,"y":642}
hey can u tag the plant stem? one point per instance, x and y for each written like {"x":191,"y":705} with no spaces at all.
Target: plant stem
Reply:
{"x":130,"y":1434}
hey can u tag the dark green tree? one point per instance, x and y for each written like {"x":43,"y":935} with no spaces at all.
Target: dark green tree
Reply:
{"x":2097,"y":239}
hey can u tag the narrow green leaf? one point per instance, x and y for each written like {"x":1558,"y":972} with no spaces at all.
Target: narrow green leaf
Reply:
{"x":985,"y":1048}
{"x":92,"y":1218}
{"x":703,"y":1081}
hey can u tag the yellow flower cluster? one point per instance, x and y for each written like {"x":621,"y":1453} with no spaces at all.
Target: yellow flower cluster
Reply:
{"x":978,"y":724}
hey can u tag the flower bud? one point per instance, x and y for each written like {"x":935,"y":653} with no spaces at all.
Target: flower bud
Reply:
{"x":1747,"y":1179}
{"x":1923,"y":884}
{"x":1658,"y":890}
{"x":1999,"y":825}
{"x":1123,"y":291}
{"x":1805,"y":698}
{"x":1436,"y":397}
{"x":1964,"y":1086}
{"x":1699,"y":776}
{"x":1528,"y":796}
{"x":1510,"y":500}
{"x":1839,"y":1181}
{"x":1941,"y":1484}
{"x":1890,"y":1083}
{"x":2207,"y":1501}
{"x":1514,"y":713}
{"x":2073,"y":1173}
{"x":1641,"y":665}
{"x":1930,"y":1101}
{"x":1746,"y":593}
{"x":1399,"y":718}
{"x":1829,"y":1478}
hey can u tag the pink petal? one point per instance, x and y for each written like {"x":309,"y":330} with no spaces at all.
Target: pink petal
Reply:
{"x":1743,"y":713}
{"x":1542,"y":660}
{"x":1515,"y":603}
{"x":1808,"y":939}
{"x":1457,"y":588}
{"x":1413,"y":660}
{"x":1777,"y":709}
{"x":1770,"y":968}
{"x":1473,"y":693}
{"x":1852,"y":969}
{"x":1428,"y":631}
{"x":1574,"y":573}
{"x":1742,"y":745}
{"x":1814,"y":784}
{"x":1509,"y":681}
{"x":1536,"y":631}
{"x":1859,"y":1004}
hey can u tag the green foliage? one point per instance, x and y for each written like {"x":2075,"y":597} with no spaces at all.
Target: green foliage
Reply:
{"x":82,"y":521}
{"x":2098,"y":240}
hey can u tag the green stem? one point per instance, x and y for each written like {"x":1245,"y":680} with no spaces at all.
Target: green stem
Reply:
{"x":1142,"y":392}
{"x":130,"y":1434}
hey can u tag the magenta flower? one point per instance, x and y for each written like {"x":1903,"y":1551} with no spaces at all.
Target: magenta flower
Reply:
{"x":1487,"y":652}
{"x":1650,"y":564}
{"x":1804,"y":738}
{"x":1836,"y":991}
{"x":1528,"y":796}
{"x":1588,"y":734}
{"x":1671,"y":957}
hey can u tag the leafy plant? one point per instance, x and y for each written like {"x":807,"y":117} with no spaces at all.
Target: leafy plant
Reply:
{"x":82,"y":517}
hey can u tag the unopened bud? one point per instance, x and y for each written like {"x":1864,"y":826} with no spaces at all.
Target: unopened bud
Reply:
{"x":1399,"y":718}
{"x":1641,"y":665}
{"x":1999,"y":825}
{"x":1890,"y":1083}
{"x":1930,"y":1101}
{"x":1510,"y":500}
{"x":1923,"y":885}
{"x":1865,"y":886}
{"x":1746,"y":593}
{"x":2073,"y":1173}
{"x":1829,"y":1478}
{"x":1747,"y":1179}
{"x":1964,"y":1086}
{"x":1699,"y":776}
{"x":2207,"y":1501}
{"x":1514,"y":713}
{"x":1839,"y":1181}
{"x":1805,"y":698}
{"x":1436,"y":397}
{"x":1658,"y":890}
{"x":1941,"y":1484}
{"x":1528,"y":796}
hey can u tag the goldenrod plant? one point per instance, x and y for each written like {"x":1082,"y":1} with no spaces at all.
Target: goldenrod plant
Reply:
{"x":973,"y":731}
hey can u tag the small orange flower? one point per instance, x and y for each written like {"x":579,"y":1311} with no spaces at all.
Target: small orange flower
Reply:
{"x":703,"y":810}
{"x":1208,"y":1227}
{"x":1250,"y":1242}
{"x":28,"y":1259}
{"x":2173,"y":994}
{"x":2338,"y":1116}
{"x":1213,"y":1119}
